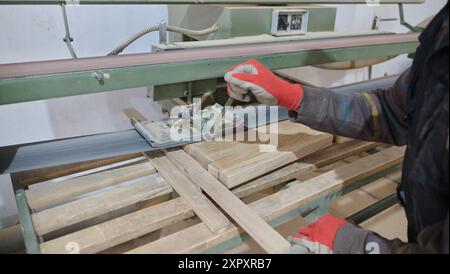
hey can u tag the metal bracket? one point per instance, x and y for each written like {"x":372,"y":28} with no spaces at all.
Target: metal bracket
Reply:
{"x":404,"y":23}
{"x":67,"y":39}
{"x":162,"y":28}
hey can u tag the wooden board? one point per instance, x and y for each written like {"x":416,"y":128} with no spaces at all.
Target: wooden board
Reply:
{"x":341,"y":139}
{"x":198,"y":237}
{"x":277,"y":177}
{"x":30,"y":177}
{"x":89,"y":207}
{"x":254,"y":225}
{"x":73,"y":187}
{"x":236,"y":162}
{"x":337,"y":152}
{"x":119,"y":230}
{"x":202,"y":206}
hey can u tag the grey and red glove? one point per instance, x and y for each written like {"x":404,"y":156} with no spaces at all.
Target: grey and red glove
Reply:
{"x":319,"y":236}
{"x":267,"y":88}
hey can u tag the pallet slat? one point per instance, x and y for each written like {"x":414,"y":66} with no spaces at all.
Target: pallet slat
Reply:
{"x":301,"y":193}
{"x":200,"y":238}
{"x":253,"y":224}
{"x":202,"y":206}
{"x":58,"y":192}
{"x":89,"y":207}
{"x":277,"y":177}
{"x":119,"y":230}
{"x":295,"y":141}
{"x":338,"y":152}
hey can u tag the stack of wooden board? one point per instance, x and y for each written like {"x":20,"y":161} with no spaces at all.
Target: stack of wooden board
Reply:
{"x":170,"y":202}
{"x":235,"y":162}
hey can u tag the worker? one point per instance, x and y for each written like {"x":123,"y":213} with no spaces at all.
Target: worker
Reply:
{"x":413,"y":112}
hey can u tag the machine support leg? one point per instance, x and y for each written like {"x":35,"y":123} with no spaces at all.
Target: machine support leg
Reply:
{"x":26,"y":224}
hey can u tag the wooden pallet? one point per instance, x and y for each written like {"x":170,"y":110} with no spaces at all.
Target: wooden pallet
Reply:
{"x":239,"y":161}
{"x":168,"y":202}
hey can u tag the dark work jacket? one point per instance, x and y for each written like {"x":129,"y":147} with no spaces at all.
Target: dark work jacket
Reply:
{"x":414,"y":112}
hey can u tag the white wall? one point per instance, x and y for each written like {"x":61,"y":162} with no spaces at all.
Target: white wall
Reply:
{"x":31,"y":33}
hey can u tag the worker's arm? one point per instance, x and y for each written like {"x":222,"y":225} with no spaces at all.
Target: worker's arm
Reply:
{"x":333,"y":235}
{"x":432,"y":239}
{"x":377,"y":115}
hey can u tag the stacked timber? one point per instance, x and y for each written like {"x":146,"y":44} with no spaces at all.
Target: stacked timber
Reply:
{"x":204,"y":197}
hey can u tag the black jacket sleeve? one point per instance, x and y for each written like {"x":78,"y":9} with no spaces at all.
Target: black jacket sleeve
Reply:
{"x":351,"y":239}
{"x":377,"y":115}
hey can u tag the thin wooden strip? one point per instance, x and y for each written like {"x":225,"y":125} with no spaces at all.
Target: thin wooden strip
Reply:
{"x":396,"y":176}
{"x":203,"y":207}
{"x":253,"y":224}
{"x":89,"y":207}
{"x":30,"y":177}
{"x":304,"y":169}
{"x":342,"y":139}
{"x":338,"y":152}
{"x":87,"y":172}
{"x":299,"y":194}
{"x":200,"y":238}
{"x":381,"y":188}
{"x":122,"y":229}
{"x":277,"y":177}
{"x":73,"y":187}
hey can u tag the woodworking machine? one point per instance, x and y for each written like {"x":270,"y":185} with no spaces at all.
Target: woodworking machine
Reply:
{"x":196,"y":47}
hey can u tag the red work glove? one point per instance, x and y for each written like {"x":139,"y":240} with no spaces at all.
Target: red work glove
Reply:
{"x":268,"y":88}
{"x":319,"y":236}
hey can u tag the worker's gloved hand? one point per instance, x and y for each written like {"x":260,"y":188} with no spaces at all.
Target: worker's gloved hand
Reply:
{"x":319,"y":236}
{"x":268,"y":88}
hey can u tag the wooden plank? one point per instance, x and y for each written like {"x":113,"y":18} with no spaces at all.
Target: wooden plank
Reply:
{"x":295,"y":141}
{"x":277,"y":177}
{"x":390,"y":223}
{"x":342,"y":139}
{"x":88,"y":172}
{"x":73,"y":187}
{"x":351,"y":203}
{"x":304,"y":176}
{"x":331,"y":181}
{"x":381,"y":188}
{"x":203,"y":207}
{"x":254,"y":225}
{"x":198,"y":238}
{"x":29,"y":177}
{"x":337,"y":152}
{"x":122,"y":229}
{"x":208,"y":152}
{"x":396,"y":176}
{"x":89,"y":207}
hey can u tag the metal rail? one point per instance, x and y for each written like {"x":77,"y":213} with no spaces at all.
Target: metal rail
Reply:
{"x":30,"y":237}
{"x":43,"y":80}
{"x":24,"y":157}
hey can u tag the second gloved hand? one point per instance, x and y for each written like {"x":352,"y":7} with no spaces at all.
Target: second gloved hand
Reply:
{"x":268,"y":88}
{"x":319,"y":236}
